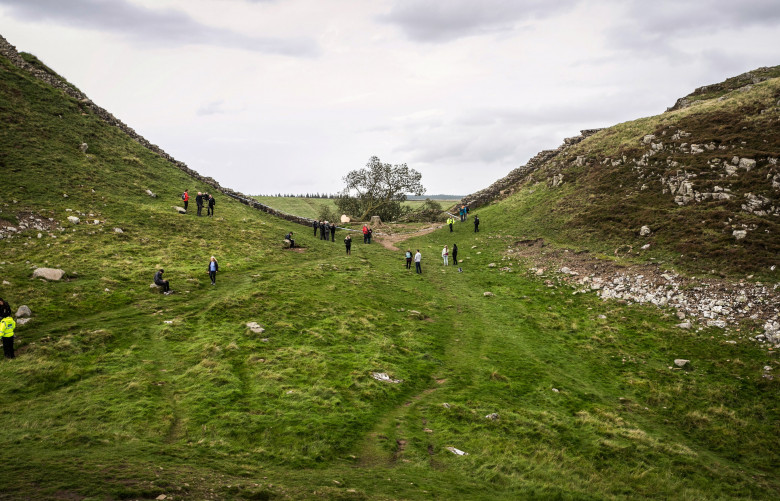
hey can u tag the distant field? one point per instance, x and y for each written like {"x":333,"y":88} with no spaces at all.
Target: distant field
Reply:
{"x":310,"y":207}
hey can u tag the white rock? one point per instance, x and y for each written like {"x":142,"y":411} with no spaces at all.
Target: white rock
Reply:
{"x":681,"y":362}
{"x":382,"y":376}
{"x":151,"y":194}
{"x":23,"y":321}
{"x":747,"y":163}
{"x":739,"y":234}
{"x":492,"y":417}
{"x":644,"y":231}
{"x":118,"y":230}
{"x":684,"y":325}
{"x":23,"y":311}
{"x":255,"y":327}
{"x":457,"y":452}
{"x":74,"y":219}
{"x":488,"y":294}
{"x":48,"y":273}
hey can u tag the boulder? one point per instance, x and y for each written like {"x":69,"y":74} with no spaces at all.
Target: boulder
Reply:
{"x":747,"y":163}
{"x":23,"y":321}
{"x":287,"y":244}
{"x":681,"y":362}
{"x":23,"y":311}
{"x":74,"y":220}
{"x":255,"y":327}
{"x":48,"y":273}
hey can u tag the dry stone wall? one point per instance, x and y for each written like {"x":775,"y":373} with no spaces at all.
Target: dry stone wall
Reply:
{"x":506,"y":184}
{"x":9,"y":51}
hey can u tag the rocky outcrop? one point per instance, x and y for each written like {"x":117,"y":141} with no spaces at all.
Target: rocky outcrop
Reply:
{"x":506,"y":184}
{"x":9,"y":51}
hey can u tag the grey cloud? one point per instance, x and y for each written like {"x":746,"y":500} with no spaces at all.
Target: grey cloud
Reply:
{"x":218,"y":107}
{"x":445,"y":20}
{"x":658,"y":28}
{"x":159,"y":28}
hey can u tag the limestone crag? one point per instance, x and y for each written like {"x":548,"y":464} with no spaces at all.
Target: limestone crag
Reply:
{"x":9,"y":51}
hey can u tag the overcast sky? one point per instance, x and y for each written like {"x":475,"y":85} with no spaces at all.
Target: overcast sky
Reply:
{"x":272,"y":96}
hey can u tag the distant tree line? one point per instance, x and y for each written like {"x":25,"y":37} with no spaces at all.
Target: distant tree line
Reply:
{"x":301,"y":195}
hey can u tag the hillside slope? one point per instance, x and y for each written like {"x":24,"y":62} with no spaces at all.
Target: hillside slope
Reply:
{"x":366,"y":376}
{"x":703,"y":178}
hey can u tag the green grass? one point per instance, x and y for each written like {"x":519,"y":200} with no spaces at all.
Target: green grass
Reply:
{"x":119,"y":392}
{"x":310,"y":207}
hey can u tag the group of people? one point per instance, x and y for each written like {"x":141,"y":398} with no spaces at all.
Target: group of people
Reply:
{"x":417,"y":261}
{"x":463,"y":211}
{"x":201,"y":199}
{"x":367,"y":233}
{"x":212,"y":268}
{"x":327,"y":230}
{"x":7,"y":326}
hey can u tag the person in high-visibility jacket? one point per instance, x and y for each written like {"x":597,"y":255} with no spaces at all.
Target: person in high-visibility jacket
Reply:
{"x":7,"y":326}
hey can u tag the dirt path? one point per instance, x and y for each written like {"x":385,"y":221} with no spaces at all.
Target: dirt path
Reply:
{"x":388,"y":241}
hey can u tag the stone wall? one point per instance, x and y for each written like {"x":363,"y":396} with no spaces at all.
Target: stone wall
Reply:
{"x":9,"y":51}
{"x":504,"y":186}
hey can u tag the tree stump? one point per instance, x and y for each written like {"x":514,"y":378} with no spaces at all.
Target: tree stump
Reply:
{"x":376,"y":221}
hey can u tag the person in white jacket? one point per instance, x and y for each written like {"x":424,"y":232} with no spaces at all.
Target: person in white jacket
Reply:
{"x":445,"y":254}
{"x":417,"y":259}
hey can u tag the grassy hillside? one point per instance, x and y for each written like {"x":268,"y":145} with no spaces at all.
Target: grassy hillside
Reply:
{"x":119,"y":392}
{"x":694,"y":176}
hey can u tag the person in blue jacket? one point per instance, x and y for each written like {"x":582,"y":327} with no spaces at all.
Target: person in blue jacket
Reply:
{"x":213,"y":269}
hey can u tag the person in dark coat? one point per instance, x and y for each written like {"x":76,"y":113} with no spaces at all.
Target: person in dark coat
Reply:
{"x":315,"y":224}
{"x":212,"y":202}
{"x":289,"y":237}
{"x":199,"y":202}
{"x":158,"y":280}
{"x":213,"y":268}
{"x":5,"y":308}
{"x":476,"y":224}
{"x":327,"y":230}
{"x":333,"y":232}
{"x":370,"y":234}
{"x":348,"y":244}
{"x":322,"y":230}
{"x":455,"y":254}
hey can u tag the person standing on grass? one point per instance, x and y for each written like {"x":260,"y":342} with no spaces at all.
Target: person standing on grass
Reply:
{"x":476,"y":224}
{"x":212,"y":202}
{"x":158,"y":280}
{"x":213,"y":269}
{"x":455,"y":254}
{"x":348,"y":244}
{"x":199,"y":202}
{"x":7,"y":326}
{"x":417,"y":260}
{"x":333,"y":232}
{"x":450,"y":222}
{"x":365,"y":234}
{"x":186,"y":197}
{"x":370,"y":234}
{"x":322,"y":230}
{"x":315,"y":224}
{"x":5,"y":308}
{"x":327,"y":231}
{"x":445,"y":255}
{"x":408,"y":259}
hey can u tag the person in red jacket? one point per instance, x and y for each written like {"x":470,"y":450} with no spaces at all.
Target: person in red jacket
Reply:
{"x":186,"y":197}
{"x":365,"y":234}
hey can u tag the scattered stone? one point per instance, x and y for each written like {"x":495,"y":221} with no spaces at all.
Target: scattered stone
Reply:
{"x":286,"y":244}
{"x":48,"y":273}
{"x":23,"y":321}
{"x":567,"y":271}
{"x":83,"y":147}
{"x":602,"y":317}
{"x":739,"y":234}
{"x":255,"y":327}
{"x":161,"y":497}
{"x":684,"y":325}
{"x":492,"y":417}
{"x":118,"y":230}
{"x":382,"y":376}
{"x":492,"y":265}
{"x":457,"y":452}
{"x":747,"y":163}
{"x":445,"y":405}
{"x":644,"y":231}
{"x":681,"y":362}
{"x":716,"y":323}
{"x":488,"y":294}
{"x":6,"y":282}
{"x":556,"y":390}
{"x":180,"y":210}
{"x":645,"y":247}
{"x":23,"y":311}
{"x":74,"y":220}
{"x":151,"y":194}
